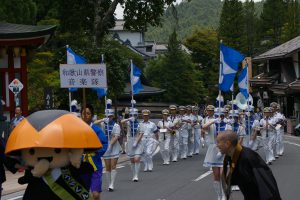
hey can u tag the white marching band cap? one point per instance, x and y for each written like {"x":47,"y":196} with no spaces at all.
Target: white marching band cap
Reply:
{"x":109,"y":110}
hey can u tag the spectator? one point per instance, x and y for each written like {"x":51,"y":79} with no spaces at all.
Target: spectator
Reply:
{"x":247,"y":170}
{"x":11,"y":164}
{"x":17,"y":119}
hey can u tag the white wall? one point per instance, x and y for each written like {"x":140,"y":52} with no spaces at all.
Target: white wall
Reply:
{"x":134,"y":37}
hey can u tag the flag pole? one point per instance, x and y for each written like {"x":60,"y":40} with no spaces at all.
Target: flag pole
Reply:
{"x":70,"y":95}
{"x":220,"y":93}
{"x":248,"y":103}
{"x":131,"y":76}
{"x":102,"y":62}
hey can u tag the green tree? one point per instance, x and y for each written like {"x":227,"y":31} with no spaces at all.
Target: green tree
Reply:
{"x":176,"y":73}
{"x":291,"y":28}
{"x":205,"y":52}
{"x":18,"y":11}
{"x":272,"y":21}
{"x":251,"y":22}
{"x":232,"y":26}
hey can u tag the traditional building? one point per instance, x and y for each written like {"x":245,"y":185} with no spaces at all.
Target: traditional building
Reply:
{"x":16,"y":43}
{"x":278,"y":76}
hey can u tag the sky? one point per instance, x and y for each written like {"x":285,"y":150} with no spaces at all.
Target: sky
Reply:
{"x":119,"y":10}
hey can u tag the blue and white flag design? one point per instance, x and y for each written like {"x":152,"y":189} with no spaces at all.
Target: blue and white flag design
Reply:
{"x":229,"y":62}
{"x":243,"y":82}
{"x":136,"y":84}
{"x":73,"y":58}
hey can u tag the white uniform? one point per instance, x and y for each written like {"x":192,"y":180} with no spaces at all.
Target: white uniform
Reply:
{"x":111,"y":130}
{"x":191,"y":139}
{"x":268,"y":136}
{"x":164,"y":140}
{"x":183,"y":137}
{"x":174,"y":141}
{"x":148,"y":142}
{"x":213,"y":157}
{"x":253,"y":144}
{"x":132,"y":136}
{"x":279,"y":119}
{"x":197,"y":120}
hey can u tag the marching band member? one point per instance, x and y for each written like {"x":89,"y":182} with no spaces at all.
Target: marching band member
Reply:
{"x":112,"y":130}
{"x":267,"y":132}
{"x":134,"y":145}
{"x":197,"y":120}
{"x":282,"y":122}
{"x":221,"y":121}
{"x":164,"y":137}
{"x":190,"y":130}
{"x":183,"y":132}
{"x":213,"y":157}
{"x":174,"y":141}
{"x":149,"y":133}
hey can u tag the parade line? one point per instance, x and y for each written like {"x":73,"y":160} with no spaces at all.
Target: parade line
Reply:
{"x":292,"y":143}
{"x":203,"y":176}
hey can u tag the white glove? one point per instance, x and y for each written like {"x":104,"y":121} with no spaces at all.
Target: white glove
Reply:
{"x":219,"y":155}
{"x":231,"y":121}
{"x":132,"y":118}
{"x":106,"y":120}
{"x":134,"y":144}
{"x":217,"y":120}
{"x":202,"y":142}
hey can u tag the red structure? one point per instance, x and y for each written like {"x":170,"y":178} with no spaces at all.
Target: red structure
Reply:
{"x":16,"y":43}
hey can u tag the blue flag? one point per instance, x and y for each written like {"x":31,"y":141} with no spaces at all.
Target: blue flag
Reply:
{"x":135,"y":79}
{"x":229,"y":62}
{"x":243,"y":82}
{"x":73,"y":58}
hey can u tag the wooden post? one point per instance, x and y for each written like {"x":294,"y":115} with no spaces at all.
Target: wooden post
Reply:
{"x":24,"y":92}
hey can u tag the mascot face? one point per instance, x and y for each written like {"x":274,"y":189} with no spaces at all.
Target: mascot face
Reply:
{"x":56,"y":157}
{"x":51,"y":139}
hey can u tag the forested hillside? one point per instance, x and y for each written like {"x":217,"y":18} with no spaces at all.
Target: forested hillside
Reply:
{"x":196,"y":13}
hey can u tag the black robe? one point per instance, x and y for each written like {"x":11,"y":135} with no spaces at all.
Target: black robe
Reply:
{"x":254,"y":177}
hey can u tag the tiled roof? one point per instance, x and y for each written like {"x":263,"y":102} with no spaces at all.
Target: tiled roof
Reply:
{"x":280,"y":51}
{"x":11,"y":31}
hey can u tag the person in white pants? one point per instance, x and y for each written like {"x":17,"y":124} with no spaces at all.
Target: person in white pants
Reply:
{"x":213,"y":157}
{"x":183,"y":132}
{"x":149,"y":133}
{"x":196,"y":124}
{"x":268,"y":134}
{"x":190,"y":130}
{"x":134,"y":146}
{"x":279,"y":129}
{"x":164,"y":137}
{"x":280,"y":147}
{"x":174,"y":141}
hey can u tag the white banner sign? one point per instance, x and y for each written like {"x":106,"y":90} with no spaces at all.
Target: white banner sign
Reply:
{"x":83,"y":76}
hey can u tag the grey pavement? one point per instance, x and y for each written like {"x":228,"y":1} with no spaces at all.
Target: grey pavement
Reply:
{"x":189,"y":180}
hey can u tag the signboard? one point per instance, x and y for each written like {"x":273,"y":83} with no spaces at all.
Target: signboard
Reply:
{"x":83,"y":76}
{"x":48,"y":98}
{"x":15,"y":86}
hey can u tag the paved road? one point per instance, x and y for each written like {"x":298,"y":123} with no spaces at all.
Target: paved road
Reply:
{"x":189,"y":180}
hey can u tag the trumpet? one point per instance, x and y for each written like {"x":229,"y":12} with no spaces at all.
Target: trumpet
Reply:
{"x":173,"y":132}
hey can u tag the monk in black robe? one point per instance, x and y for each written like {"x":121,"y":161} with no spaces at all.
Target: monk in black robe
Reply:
{"x":245,"y":168}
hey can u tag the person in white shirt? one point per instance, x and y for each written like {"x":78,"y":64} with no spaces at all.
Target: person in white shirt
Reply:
{"x":174,"y":141}
{"x":213,"y":157}
{"x":112,"y":131}
{"x":164,"y":126}
{"x":190,"y":130}
{"x":134,"y":147}
{"x":268,"y":134}
{"x":196,"y":124}
{"x":149,"y":133}
{"x":185,"y":121}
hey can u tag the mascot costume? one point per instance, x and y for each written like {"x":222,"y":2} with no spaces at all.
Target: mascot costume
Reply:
{"x":51,"y":143}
